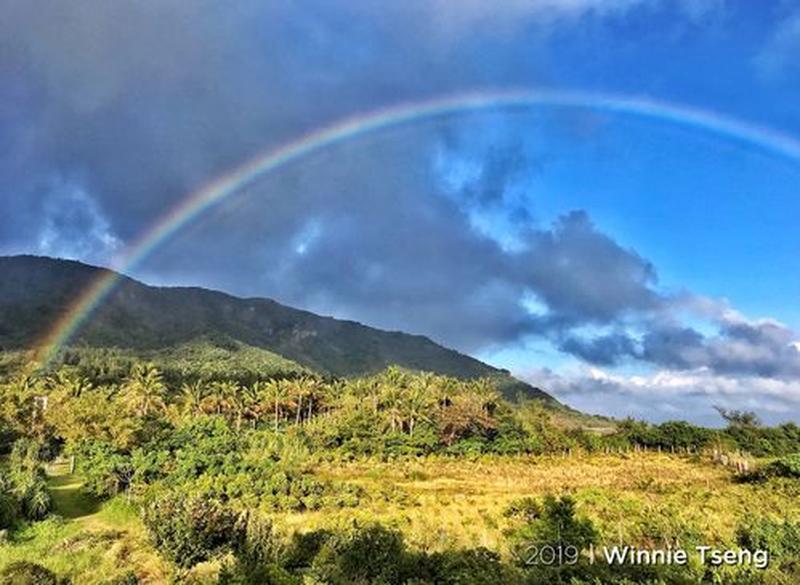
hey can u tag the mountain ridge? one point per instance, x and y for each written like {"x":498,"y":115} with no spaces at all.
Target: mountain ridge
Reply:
{"x":35,"y":291}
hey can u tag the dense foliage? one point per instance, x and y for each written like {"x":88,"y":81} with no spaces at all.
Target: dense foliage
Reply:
{"x":23,"y":491}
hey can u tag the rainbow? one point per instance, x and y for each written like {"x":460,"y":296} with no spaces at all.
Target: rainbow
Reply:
{"x":197,"y":203}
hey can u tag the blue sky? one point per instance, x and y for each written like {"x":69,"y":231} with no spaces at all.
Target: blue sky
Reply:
{"x":629,"y":265}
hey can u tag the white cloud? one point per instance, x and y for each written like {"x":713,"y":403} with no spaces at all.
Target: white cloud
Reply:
{"x":781,"y":52}
{"x":659,"y":394}
{"x":74,"y":226}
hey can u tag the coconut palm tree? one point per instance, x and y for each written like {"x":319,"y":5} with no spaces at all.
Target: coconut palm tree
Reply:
{"x":253,"y":405}
{"x":274,"y":392}
{"x":193,"y":395}
{"x":418,"y":399}
{"x":485,"y":394}
{"x":145,"y":391}
{"x":230,"y":401}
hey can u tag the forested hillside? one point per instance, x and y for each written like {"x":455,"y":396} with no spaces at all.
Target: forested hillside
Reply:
{"x":34,"y":293}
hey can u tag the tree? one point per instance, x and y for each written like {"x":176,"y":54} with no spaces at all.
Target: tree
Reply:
{"x":418,"y":400}
{"x":230,"y":401}
{"x":276,"y":392}
{"x":188,"y":530}
{"x":739,"y":418}
{"x":193,"y":395}
{"x":145,"y":391}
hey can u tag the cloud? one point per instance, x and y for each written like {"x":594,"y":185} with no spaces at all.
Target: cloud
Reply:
{"x":470,"y":16}
{"x":780,"y":53}
{"x":604,"y":350}
{"x":74,"y":227}
{"x":668,"y":394}
{"x":762,"y":348}
{"x":584,"y":275}
{"x":698,"y":11}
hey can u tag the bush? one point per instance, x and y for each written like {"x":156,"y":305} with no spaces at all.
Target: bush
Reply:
{"x":788,"y":466}
{"x":23,"y":491}
{"x":473,"y":567}
{"x":270,"y":574}
{"x":551,"y":522}
{"x":9,"y":504}
{"x":106,"y":470}
{"x":188,"y":530}
{"x":304,"y":547}
{"x":372,"y":554}
{"x":781,"y":539}
{"x":128,"y":578}
{"x":26,"y":573}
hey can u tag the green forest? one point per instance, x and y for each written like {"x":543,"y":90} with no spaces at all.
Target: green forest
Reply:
{"x":122,"y":470}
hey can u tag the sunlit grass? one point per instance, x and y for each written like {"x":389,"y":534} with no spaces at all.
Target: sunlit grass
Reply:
{"x":646,"y":498}
{"x":85,"y":540}
{"x":437,"y":502}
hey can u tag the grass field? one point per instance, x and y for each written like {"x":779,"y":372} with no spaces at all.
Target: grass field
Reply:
{"x":631,"y":498}
{"x":86,"y":540}
{"x":437,"y":503}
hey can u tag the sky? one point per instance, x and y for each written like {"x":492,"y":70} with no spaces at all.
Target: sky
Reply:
{"x":630,"y":265}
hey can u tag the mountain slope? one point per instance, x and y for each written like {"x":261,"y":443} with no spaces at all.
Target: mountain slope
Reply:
{"x":35,"y":292}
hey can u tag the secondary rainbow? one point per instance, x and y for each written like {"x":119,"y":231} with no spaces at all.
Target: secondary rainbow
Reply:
{"x":197,"y":203}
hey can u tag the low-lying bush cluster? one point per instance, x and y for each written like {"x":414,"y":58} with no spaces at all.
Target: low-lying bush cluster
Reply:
{"x":23,"y":490}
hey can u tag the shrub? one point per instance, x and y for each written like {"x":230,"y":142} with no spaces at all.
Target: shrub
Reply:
{"x":128,"y":578}
{"x":23,"y":492}
{"x":106,"y":470}
{"x":304,"y":547}
{"x":781,"y":539}
{"x":188,"y":530}
{"x":788,"y":466}
{"x":549,"y":523}
{"x":9,"y":504}
{"x":371,"y":554}
{"x":474,"y":567}
{"x":26,"y":573}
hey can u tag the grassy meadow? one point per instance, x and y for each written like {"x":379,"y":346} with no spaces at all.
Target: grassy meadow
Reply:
{"x":120,"y":476}
{"x":437,"y":503}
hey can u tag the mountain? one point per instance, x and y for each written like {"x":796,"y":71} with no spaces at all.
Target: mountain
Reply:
{"x":147,"y":320}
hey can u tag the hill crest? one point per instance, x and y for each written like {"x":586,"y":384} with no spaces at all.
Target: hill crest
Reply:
{"x":35,"y":291}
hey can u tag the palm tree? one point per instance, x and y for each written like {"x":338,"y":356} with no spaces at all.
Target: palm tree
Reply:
{"x":418,"y":399}
{"x":274,"y":392}
{"x":193,"y":394}
{"x":485,"y":394}
{"x":303,"y":388}
{"x":253,"y":405}
{"x":392,"y":403}
{"x":230,"y":402}
{"x":145,"y":390}
{"x":70,"y":386}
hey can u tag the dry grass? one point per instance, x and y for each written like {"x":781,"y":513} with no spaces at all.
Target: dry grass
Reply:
{"x":440,"y":502}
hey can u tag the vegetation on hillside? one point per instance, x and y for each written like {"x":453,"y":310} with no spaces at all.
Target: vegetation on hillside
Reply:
{"x":149,"y":322}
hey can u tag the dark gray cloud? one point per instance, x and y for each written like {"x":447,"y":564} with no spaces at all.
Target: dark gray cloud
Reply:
{"x":378,"y":245}
{"x":605,"y":350}
{"x":142,"y":102}
{"x":584,"y":275}
{"x":764,"y":348}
